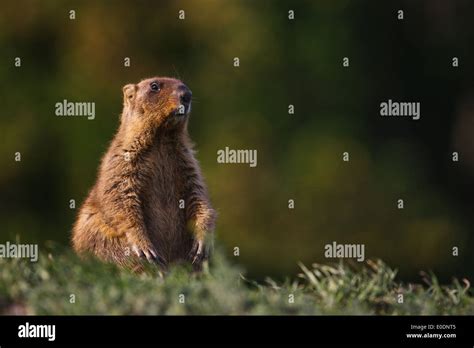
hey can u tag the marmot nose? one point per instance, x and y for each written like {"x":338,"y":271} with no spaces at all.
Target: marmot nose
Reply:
{"x":185,"y":94}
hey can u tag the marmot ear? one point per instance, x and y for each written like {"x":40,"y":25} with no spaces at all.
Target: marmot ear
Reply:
{"x":129,"y":93}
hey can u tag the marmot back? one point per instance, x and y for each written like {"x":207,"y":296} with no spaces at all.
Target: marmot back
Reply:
{"x":149,"y":200}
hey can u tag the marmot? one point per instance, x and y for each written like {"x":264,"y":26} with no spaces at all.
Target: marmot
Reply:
{"x":149,"y":200}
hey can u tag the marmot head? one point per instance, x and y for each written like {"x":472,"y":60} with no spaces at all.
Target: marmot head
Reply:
{"x":157,"y":100}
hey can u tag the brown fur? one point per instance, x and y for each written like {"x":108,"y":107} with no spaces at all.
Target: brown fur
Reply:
{"x":133,"y":212}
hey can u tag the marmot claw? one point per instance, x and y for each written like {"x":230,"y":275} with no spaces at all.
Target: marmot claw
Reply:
{"x":150,"y":254}
{"x":198,"y":253}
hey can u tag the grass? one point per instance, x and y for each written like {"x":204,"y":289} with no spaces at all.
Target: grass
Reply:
{"x":46,"y":287}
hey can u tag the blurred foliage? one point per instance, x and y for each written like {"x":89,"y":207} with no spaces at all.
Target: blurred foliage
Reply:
{"x":45,"y":288}
{"x":282,"y":62}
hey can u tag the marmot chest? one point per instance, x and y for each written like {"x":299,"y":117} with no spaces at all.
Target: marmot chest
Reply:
{"x":164,"y":193}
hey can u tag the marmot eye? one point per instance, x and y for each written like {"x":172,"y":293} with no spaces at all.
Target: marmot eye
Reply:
{"x":155,"y":87}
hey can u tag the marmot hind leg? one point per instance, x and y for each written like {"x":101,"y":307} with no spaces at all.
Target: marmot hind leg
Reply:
{"x":90,"y":236}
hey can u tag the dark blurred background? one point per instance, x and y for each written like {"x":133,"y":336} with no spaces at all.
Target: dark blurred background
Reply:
{"x":282,"y":62}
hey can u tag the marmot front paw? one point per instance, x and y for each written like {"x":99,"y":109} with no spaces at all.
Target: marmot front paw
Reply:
{"x":144,"y":249}
{"x":199,"y":252}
